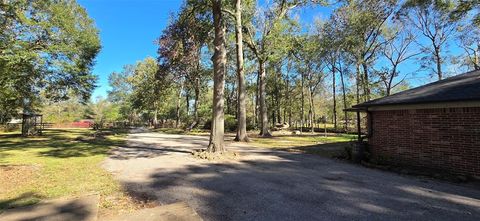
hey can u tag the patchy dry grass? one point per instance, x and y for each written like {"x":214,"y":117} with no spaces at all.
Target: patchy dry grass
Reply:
{"x":286,"y":139}
{"x":282,"y":141}
{"x":61,"y":163}
{"x":332,"y":145}
{"x":182,"y":131}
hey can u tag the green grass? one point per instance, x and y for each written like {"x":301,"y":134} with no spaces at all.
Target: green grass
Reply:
{"x":61,"y":163}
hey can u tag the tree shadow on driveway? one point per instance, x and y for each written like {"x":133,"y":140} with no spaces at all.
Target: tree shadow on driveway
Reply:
{"x":142,"y":151}
{"x":145,"y":146}
{"x":292,"y":186}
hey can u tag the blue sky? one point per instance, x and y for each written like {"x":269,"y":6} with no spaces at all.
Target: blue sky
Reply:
{"x":128,"y":29}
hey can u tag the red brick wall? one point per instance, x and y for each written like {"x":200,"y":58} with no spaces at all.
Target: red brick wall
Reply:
{"x":446,"y":138}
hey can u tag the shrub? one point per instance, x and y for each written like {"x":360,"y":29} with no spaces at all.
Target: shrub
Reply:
{"x":348,"y":151}
{"x":207,"y":125}
{"x":10,"y":127}
{"x":230,"y":123}
{"x":250,"y":125}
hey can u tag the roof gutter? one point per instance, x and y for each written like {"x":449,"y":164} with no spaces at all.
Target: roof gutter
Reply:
{"x":414,"y":106}
{"x":356,"y":109}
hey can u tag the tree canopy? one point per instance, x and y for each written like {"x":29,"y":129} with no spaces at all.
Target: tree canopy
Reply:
{"x":47,"y":51}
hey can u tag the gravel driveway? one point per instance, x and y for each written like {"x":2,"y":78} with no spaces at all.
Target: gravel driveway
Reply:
{"x":276,"y":185}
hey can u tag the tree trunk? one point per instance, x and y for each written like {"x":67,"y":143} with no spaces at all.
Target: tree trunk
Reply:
{"x":344,"y":101}
{"x":287,"y":99}
{"x":302,"y":120}
{"x":177,"y":113}
{"x":358,"y":101}
{"x":366,"y":83}
{"x":290,"y":117}
{"x":312,"y":111}
{"x":274,"y":97}
{"x":388,"y":89}
{"x":274,"y":117}
{"x":219,"y":60}
{"x":232,"y":103}
{"x":476,"y":63}
{"x":438,"y":61}
{"x":195,"y":105}
{"x":287,"y":102}
{"x":390,"y":81}
{"x":197,"y":97}
{"x":257,"y":102}
{"x":187,"y":102}
{"x":334,"y":99}
{"x":358,"y":82}
{"x":197,"y":85}
{"x":228,"y":100}
{"x":155,"y":117}
{"x":254,"y":98}
{"x":278,"y":100}
{"x":264,"y":132}
{"x":241,"y":87}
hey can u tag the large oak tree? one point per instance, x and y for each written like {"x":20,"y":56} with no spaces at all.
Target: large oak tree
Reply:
{"x":47,"y":49}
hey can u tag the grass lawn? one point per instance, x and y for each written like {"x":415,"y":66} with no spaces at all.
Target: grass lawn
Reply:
{"x":332,"y":145}
{"x":282,"y":141}
{"x":61,"y":163}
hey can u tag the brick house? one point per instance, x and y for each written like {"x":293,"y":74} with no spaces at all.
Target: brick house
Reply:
{"x":434,"y":126}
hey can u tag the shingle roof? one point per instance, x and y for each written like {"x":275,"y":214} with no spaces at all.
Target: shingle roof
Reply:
{"x":463,"y":87}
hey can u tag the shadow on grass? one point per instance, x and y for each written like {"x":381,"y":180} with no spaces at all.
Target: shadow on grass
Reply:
{"x":22,"y":200}
{"x":75,"y":209}
{"x":62,"y":143}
